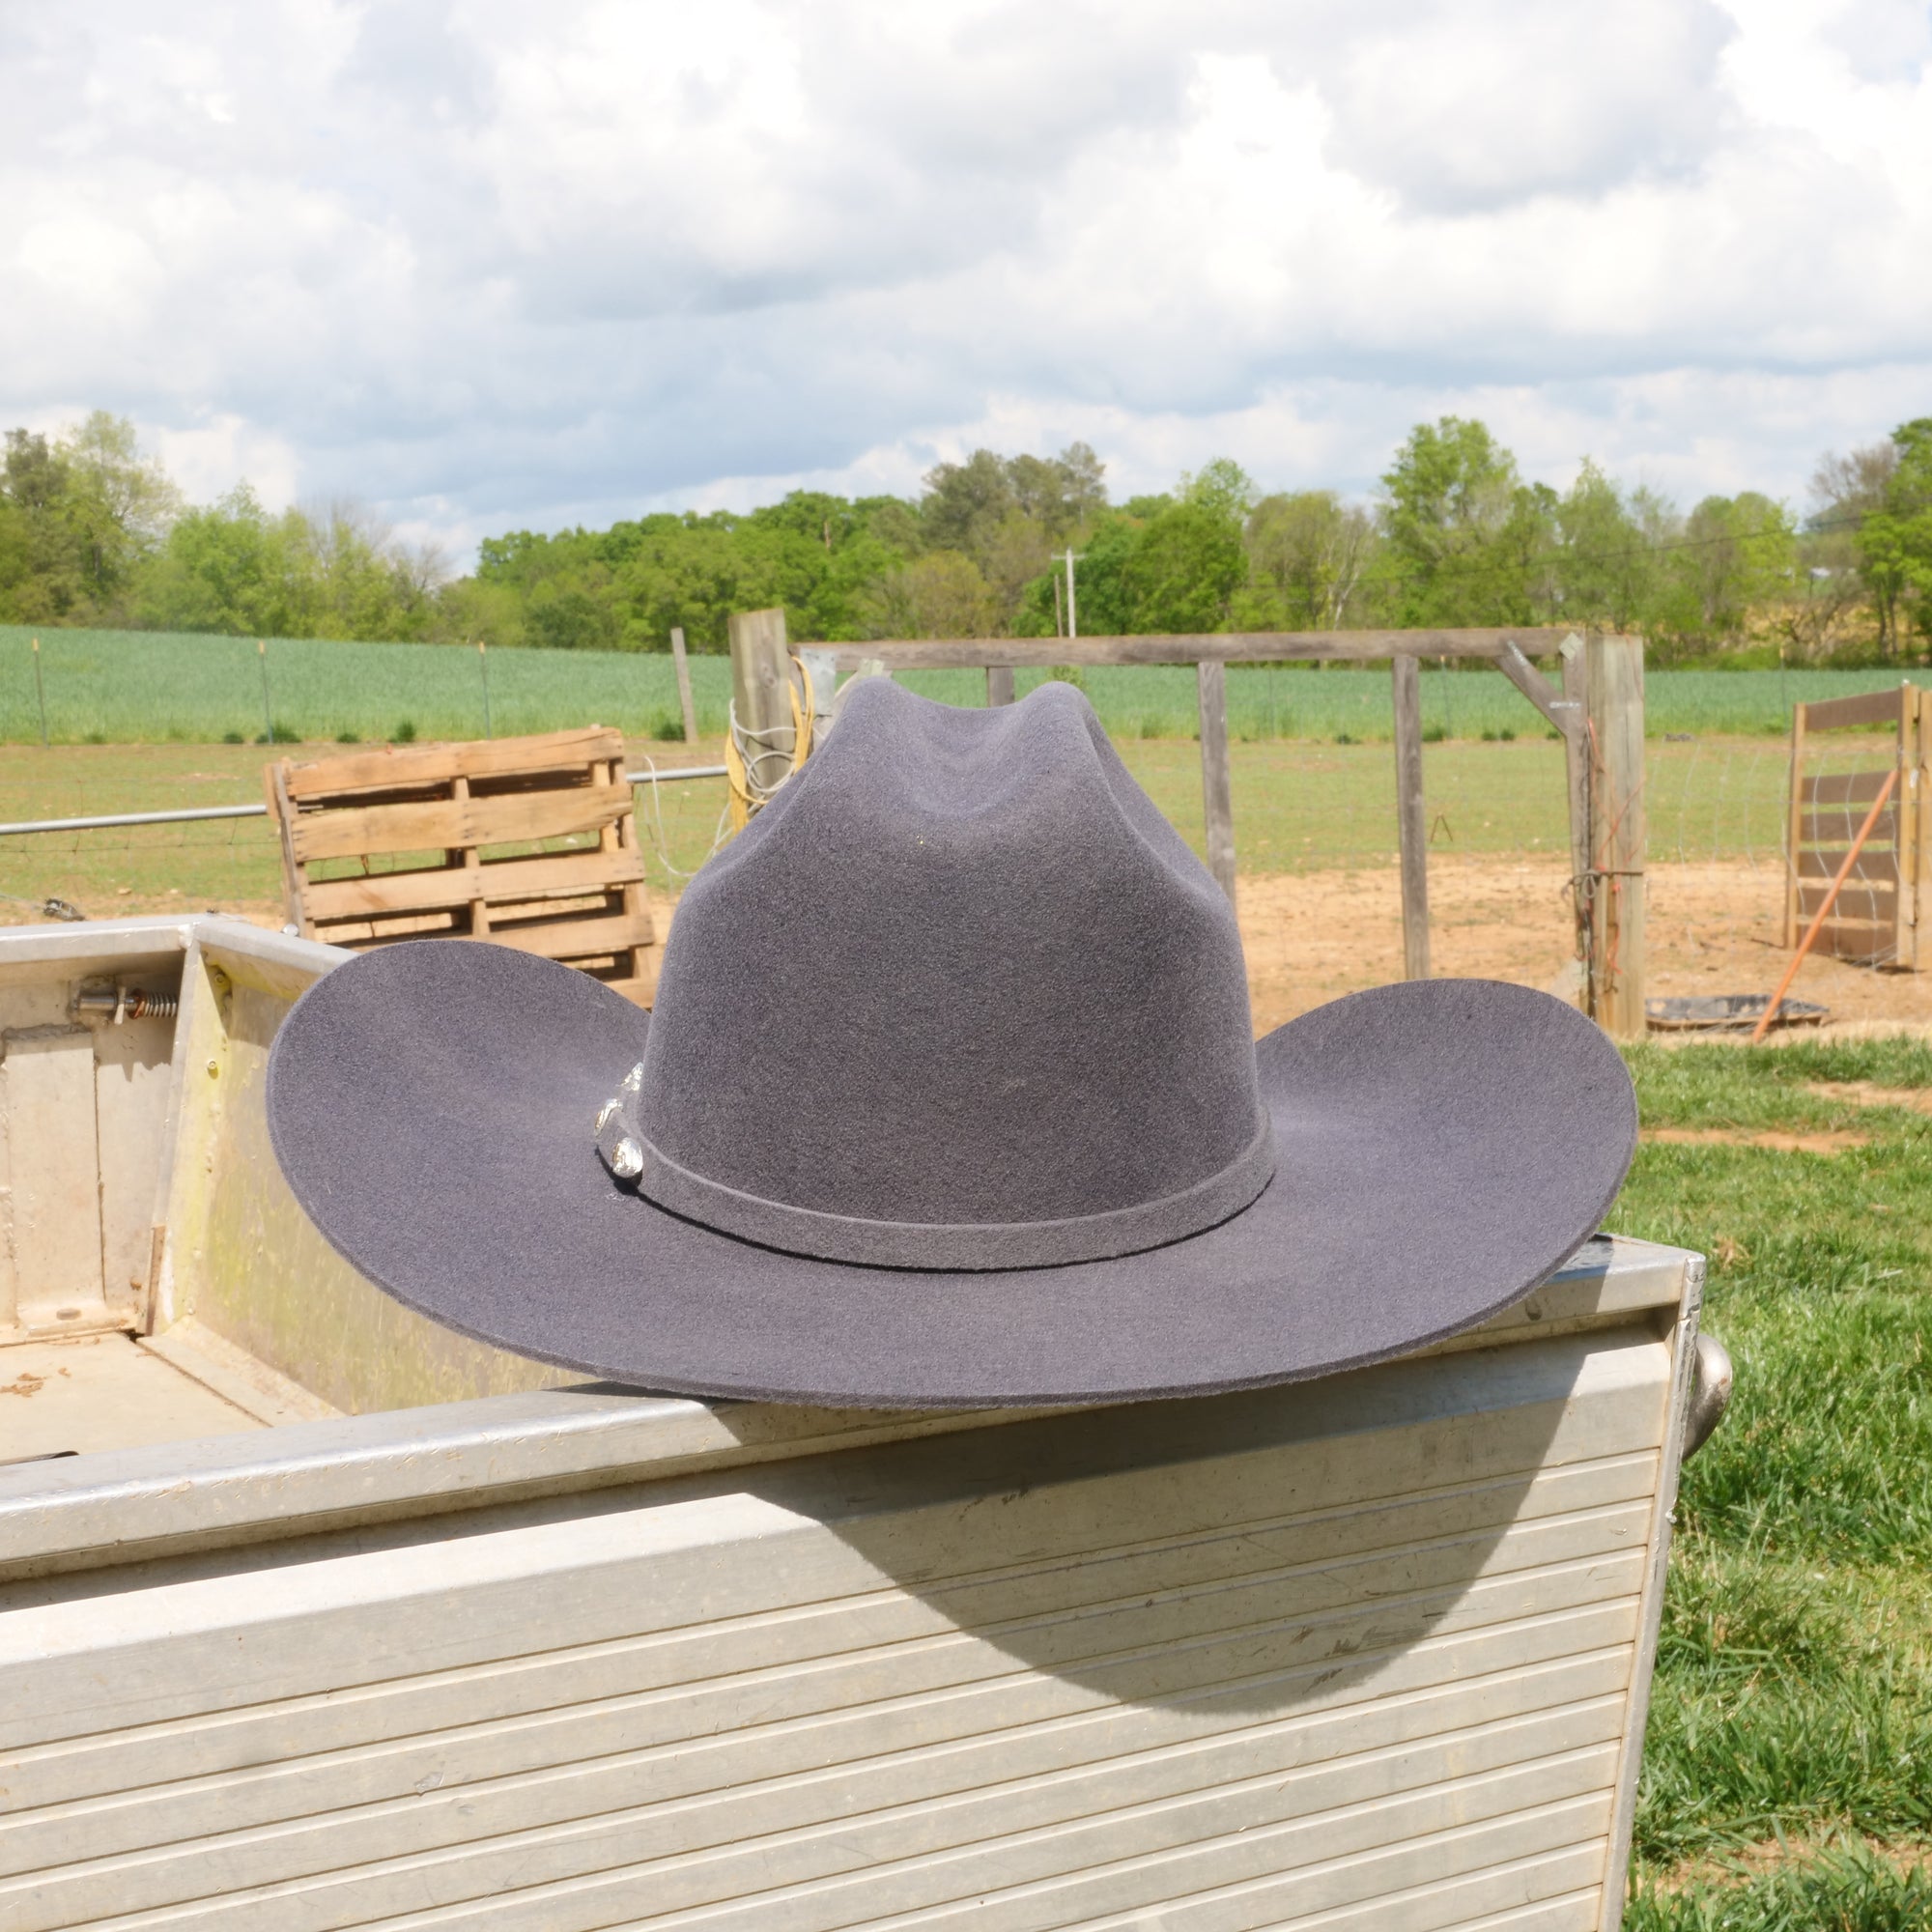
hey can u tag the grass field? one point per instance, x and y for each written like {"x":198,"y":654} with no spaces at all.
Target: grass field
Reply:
{"x":140,"y":687}
{"x":1788,"y":1770}
{"x":1299,"y":806}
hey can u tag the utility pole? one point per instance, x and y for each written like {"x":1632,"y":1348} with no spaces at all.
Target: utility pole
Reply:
{"x":1072,"y":622}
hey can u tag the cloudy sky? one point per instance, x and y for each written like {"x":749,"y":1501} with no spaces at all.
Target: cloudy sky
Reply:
{"x":488,"y":265}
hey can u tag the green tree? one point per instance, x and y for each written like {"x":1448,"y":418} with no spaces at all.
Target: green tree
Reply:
{"x":1895,"y":540}
{"x":1307,"y":554}
{"x":41,"y":580}
{"x":1736,"y":554}
{"x":1604,"y":570}
{"x":1103,"y":590}
{"x":938,"y":594}
{"x":1008,"y":514}
{"x":121,"y":505}
{"x":1182,"y":573}
{"x":1845,"y":489}
{"x":1460,"y":529}
{"x":332,"y":572}
{"x":966,"y":502}
{"x":79,"y":515}
{"x":1222,"y":487}
{"x":233,"y":567}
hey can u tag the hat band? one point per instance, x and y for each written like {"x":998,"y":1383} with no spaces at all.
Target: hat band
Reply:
{"x":636,"y":1161}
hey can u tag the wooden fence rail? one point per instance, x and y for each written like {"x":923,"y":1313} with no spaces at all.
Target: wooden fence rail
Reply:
{"x":1597,"y":710}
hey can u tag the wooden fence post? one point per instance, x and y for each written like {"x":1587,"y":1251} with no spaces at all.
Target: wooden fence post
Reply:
{"x":761,"y":698}
{"x":1576,"y":773}
{"x":684,"y":684}
{"x":1613,"y":684}
{"x":999,"y":685}
{"x":1211,"y":681}
{"x":1915,"y":818}
{"x":1411,"y":822}
{"x":821,"y":673}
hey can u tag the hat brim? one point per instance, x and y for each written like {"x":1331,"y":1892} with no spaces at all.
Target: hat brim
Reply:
{"x":1443,"y":1147}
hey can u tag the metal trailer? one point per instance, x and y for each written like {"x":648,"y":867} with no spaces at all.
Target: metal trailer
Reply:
{"x":422,"y":1642}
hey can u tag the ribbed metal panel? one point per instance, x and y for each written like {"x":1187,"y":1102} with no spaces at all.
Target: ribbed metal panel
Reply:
{"x":1195,"y":1665}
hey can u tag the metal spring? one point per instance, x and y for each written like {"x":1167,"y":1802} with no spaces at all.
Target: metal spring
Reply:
{"x":126,"y":1003}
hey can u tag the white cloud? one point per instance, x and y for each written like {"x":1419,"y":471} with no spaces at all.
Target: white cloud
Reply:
{"x":489,"y":266}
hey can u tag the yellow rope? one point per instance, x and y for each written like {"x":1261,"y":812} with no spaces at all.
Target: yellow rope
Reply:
{"x":747,"y":791}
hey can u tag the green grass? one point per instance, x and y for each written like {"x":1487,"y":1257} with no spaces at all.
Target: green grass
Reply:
{"x":1842,"y":1890}
{"x":144,"y":687}
{"x":1299,"y":806}
{"x":230,"y":864}
{"x":1787,"y":1775}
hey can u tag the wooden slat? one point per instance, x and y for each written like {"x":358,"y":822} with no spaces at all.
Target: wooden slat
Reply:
{"x":1410,"y":817}
{"x":1794,"y":807}
{"x":403,"y":767}
{"x":444,"y":823}
{"x":504,"y":882}
{"x":1845,"y":789}
{"x":1217,"y":798}
{"x":1190,"y":647}
{"x":47,"y":1090}
{"x":1835,"y":714}
{"x":1877,"y":904}
{"x":1857,"y":944}
{"x":1840,"y":827}
{"x":1914,"y":845}
{"x":1617,"y":806}
{"x":576,"y":938}
{"x":1873,"y":867}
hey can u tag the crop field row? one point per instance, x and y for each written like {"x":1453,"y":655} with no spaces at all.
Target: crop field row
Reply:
{"x":142,"y":687}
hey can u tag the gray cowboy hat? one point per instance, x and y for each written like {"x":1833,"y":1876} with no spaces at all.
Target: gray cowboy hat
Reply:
{"x":950,"y":1099}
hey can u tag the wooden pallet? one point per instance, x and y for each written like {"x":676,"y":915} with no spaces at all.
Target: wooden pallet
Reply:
{"x":1877,"y":918}
{"x":530,"y":842}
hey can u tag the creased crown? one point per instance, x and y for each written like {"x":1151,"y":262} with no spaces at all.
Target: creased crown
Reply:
{"x":958,"y":997}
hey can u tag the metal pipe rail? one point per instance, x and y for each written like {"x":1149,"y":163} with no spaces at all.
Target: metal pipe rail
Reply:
{"x":107,"y":820}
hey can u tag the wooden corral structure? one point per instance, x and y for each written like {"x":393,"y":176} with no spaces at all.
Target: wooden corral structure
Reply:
{"x":531,"y":842}
{"x":1881,"y":912}
{"x":1596,"y":708}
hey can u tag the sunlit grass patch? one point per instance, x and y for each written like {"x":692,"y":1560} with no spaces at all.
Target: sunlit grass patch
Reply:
{"x":1793,"y":1698}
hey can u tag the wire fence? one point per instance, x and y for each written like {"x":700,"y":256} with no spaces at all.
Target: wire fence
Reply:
{"x":230,"y":864}
{"x":1315,"y":826}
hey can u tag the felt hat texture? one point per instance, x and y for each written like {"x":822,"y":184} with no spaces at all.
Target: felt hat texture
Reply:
{"x":948,"y":1099}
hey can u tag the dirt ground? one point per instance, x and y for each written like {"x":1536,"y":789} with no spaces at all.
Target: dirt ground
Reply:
{"x":1312,"y":936}
{"x":1711,"y":928}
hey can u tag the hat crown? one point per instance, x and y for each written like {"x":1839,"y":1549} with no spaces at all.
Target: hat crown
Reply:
{"x":959,"y":995}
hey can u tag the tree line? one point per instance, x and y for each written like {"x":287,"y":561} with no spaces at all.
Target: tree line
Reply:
{"x":92,"y":532}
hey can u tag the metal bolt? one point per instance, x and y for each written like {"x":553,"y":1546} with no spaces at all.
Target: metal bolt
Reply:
{"x":214,"y":1069}
{"x":627,"y":1160}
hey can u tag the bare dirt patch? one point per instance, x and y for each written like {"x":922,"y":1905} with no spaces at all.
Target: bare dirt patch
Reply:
{"x":1776,"y":1138}
{"x":1711,"y":928}
{"x":1742,"y":1863}
{"x":1866,"y":1093}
